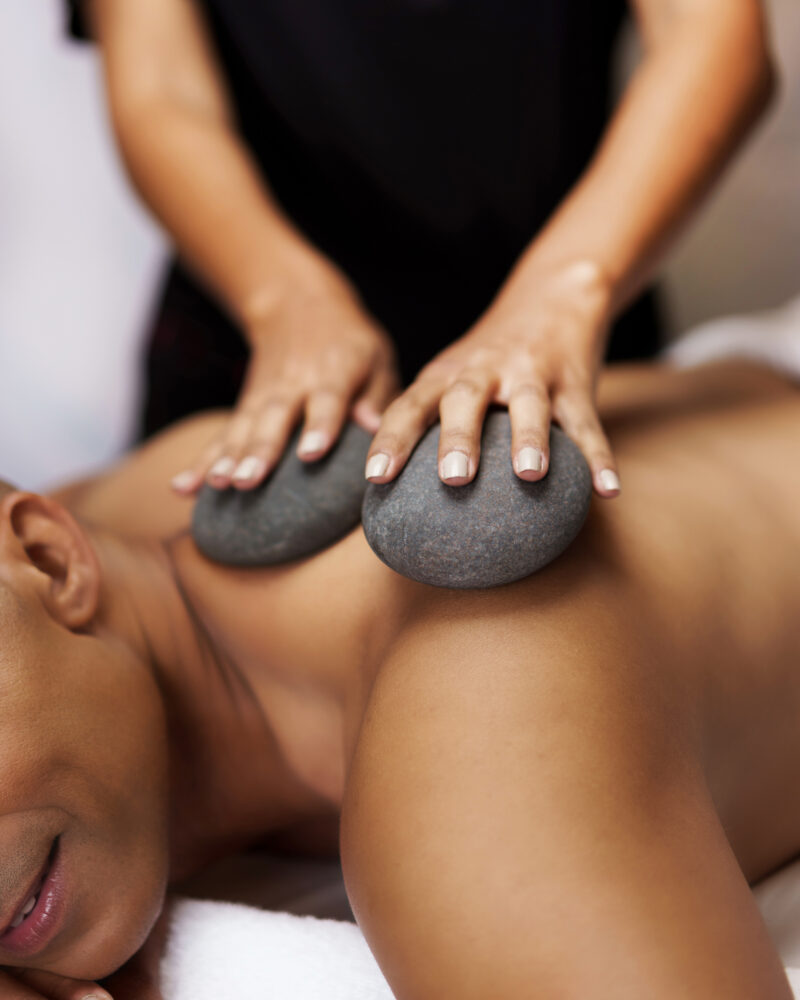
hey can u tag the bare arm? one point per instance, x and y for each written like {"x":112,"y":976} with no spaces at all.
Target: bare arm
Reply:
{"x":314,"y":348}
{"x":526,"y":815}
{"x":705,"y":77}
{"x":177,"y":135}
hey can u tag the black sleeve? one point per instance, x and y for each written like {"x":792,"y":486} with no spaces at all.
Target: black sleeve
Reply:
{"x":76,"y":22}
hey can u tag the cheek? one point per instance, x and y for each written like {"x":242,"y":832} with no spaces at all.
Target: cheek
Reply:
{"x":108,"y":770}
{"x":116,"y":899}
{"x":126,"y":834}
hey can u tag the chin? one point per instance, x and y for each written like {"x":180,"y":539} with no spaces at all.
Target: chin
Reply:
{"x":113,"y":932}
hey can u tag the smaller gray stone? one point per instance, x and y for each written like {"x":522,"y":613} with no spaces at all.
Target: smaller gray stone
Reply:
{"x":494,"y":530}
{"x":301,"y":507}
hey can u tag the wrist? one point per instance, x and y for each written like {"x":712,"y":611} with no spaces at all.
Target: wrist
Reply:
{"x":579,"y":286}
{"x":302,"y":278}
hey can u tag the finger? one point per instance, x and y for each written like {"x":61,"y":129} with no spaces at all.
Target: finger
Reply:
{"x":380,"y":390}
{"x":271,"y":429}
{"x":233,"y":445}
{"x":402,"y":425}
{"x":190,"y":480}
{"x":326,"y":409}
{"x":575,"y":411}
{"x":529,"y":410}
{"x":47,"y":984}
{"x":228,"y":460}
{"x":217,"y":462}
{"x":461,"y":411}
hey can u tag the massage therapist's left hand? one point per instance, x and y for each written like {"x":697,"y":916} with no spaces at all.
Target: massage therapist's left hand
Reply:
{"x":536,"y":350}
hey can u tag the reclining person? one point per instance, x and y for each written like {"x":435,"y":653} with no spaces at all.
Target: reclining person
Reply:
{"x":557,"y":788}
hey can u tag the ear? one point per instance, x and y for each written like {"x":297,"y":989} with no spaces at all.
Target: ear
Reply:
{"x":43,"y":543}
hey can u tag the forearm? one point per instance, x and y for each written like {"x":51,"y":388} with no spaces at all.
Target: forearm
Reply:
{"x":201,"y":184}
{"x":179,"y":142}
{"x":705,"y":76}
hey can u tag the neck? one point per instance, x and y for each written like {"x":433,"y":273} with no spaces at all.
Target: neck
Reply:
{"x":229,"y":784}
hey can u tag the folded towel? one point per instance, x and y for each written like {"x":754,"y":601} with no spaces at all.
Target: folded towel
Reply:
{"x":219,"y":950}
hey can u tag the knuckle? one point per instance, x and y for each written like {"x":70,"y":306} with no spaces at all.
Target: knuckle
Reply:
{"x":275,"y":401}
{"x":458,"y":434}
{"x":532,"y":392}
{"x":237,"y":429}
{"x":267,"y":443}
{"x":464,"y":385}
{"x":571,"y":395}
{"x":483,"y":357}
{"x":410,"y":406}
{"x":577,"y":382}
{"x":210,"y":454}
{"x":252,"y":400}
{"x":570,"y":405}
{"x":584,"y":427}
{"x":534,"y":437}
{"x":390,"y":442}
{"x":328,"y":391}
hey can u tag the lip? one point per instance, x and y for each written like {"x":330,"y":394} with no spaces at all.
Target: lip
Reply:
{"x":43,"y":922}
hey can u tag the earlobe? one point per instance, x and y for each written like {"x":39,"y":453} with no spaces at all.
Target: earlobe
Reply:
{"x":44,"y":543}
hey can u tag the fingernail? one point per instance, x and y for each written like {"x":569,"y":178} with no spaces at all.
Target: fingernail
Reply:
{"x":97,"y":996}
{"x":455,"y":465}
{"x":312,"y":441}
{"x":249,"y":468}
{"x":609,"y":480}
{"x":377,"y":466}
{"x":530,"y":460}
{"x":183,"y":481}
{"x":223,"y":467}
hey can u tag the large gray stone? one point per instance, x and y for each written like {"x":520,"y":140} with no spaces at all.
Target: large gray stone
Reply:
{"x":496,"y":529}
{"x":299,"y":509}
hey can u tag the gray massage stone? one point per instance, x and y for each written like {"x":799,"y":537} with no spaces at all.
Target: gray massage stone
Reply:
{"x":494,"y":530}
{"x":300,"y":508}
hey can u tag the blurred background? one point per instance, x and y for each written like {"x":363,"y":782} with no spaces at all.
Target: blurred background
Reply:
{"x":80,"y":261}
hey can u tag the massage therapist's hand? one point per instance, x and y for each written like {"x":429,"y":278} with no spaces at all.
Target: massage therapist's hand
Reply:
{"x":536,"y":350}
{"x":315,"y":354}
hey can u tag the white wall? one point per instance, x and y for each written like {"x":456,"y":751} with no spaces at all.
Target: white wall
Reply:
{"x":78,"y":259}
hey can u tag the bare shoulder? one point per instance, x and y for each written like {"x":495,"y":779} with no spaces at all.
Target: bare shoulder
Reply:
{"x":134,"y":496}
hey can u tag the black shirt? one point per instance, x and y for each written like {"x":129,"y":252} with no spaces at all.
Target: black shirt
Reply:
{"x":420,"y":144}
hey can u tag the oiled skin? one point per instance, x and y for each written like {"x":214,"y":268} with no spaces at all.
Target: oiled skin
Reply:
{"x":558,"y":788}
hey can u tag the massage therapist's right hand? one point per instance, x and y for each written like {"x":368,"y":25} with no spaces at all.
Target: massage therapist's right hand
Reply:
{"x":315,"y":354}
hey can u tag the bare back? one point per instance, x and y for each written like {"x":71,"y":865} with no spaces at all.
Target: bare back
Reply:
{"x":692,"y":571}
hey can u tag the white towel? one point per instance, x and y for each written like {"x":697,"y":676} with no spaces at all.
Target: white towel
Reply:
{"x":220,"y":950}
{"x":217,"y":951}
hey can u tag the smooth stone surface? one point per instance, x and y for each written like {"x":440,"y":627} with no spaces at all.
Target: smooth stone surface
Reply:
{"x":300,"y":508}
{"x":494,"y":530}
